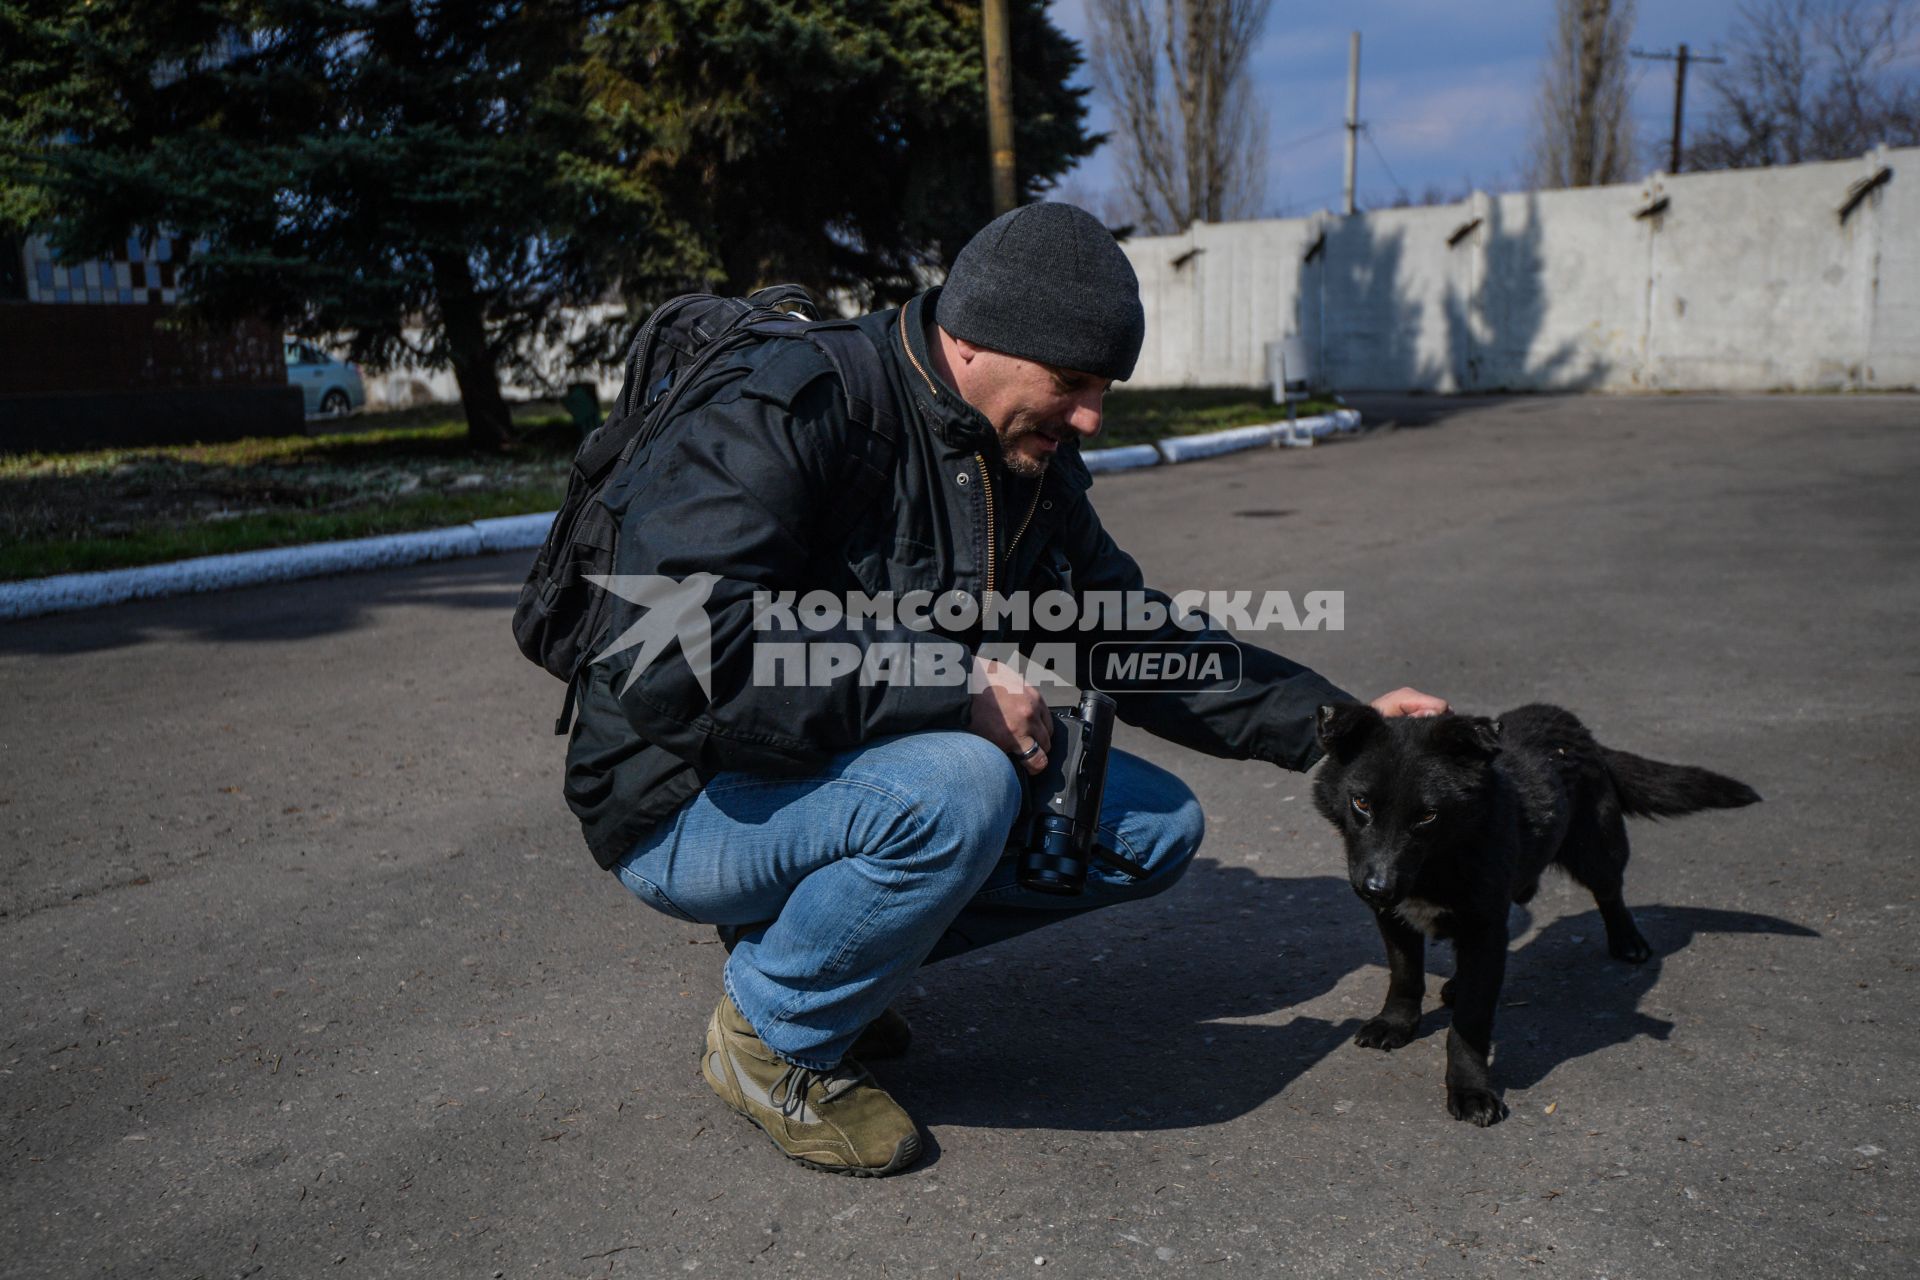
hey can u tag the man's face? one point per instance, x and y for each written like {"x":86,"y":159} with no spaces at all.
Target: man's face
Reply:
{"x":1034,"y":408}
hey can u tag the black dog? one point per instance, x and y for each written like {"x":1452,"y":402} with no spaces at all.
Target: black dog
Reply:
{"x":1450,"y":818}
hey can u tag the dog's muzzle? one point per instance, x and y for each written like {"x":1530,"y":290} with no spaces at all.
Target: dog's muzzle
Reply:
{"x":1376,"y":889}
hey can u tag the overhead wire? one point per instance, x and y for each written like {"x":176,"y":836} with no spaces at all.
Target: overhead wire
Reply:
{"x":1305,"y":138}
{"x":1367,"y":129}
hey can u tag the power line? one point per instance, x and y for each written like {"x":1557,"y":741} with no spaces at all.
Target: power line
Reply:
{"x":1305,"y":138}
{"x":1367,"y":129}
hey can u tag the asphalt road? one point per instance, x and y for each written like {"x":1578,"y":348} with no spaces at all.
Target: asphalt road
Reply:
{"x":308,"y":973}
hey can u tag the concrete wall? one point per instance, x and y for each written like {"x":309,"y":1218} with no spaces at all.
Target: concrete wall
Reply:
{"x":1741,"y":280}
{"x":404,"y":387}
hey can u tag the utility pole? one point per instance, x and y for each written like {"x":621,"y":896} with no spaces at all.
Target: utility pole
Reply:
{"x":999,"y":102}
{"x":1680,"y":61}
{"x":1353,"y":114}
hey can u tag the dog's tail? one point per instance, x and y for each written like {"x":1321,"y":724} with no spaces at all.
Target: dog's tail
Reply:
{"x":1653,"y":789}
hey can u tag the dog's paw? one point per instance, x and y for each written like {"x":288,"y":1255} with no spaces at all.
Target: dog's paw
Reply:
{"x":1476,"y":1106}
{"x":1446,"y":993}
{"x":1633,"y":949}
{"x":1383,"y":1033}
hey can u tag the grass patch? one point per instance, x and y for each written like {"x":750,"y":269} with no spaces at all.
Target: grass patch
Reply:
{"x":405,"y":435}
{"x":1141,"y":417}
{"x":383,"y":473}
{"x":159,"y":543}
{"x":113,"y":508}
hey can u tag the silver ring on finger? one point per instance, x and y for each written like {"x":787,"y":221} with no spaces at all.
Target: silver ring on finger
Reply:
{"x":1029,"y":753}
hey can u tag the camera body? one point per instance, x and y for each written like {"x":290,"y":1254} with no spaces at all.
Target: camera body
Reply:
{"x":1056,"y":830}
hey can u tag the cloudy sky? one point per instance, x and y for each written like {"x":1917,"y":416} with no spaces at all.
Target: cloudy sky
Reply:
{"x":1448,"y":89}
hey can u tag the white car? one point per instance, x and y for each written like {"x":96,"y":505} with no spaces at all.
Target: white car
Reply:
{"x":329,"y":388}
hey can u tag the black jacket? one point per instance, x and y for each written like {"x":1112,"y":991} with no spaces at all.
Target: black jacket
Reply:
{"x":748,"y":483}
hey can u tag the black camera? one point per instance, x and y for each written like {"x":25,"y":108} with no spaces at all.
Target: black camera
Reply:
{"x":1056,"y":832}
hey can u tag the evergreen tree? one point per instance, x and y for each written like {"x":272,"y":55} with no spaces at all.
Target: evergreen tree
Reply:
{"x":342,"y":167}
{"x":833,"y":143}
{"x":476,"y":168}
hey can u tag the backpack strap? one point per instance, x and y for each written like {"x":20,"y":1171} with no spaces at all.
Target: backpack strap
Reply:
{"x":855,"y":361}
{"x":869,"y":395}
{"x":870,"y":404}
{"x":565,"y":720}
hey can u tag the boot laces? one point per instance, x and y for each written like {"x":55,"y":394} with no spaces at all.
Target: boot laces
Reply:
{"x":791,"y":1090}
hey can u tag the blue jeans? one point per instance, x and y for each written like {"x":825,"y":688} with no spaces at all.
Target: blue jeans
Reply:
{"x":840,"y":883}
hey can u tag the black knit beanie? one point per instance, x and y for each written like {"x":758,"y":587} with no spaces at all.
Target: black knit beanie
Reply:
{"x":1047,"y":282}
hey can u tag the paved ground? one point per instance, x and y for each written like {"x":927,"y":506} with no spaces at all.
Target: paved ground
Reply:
{"x":307,"y":972}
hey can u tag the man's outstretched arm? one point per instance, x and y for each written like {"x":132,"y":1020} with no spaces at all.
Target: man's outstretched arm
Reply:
{"x":1268,"y":716}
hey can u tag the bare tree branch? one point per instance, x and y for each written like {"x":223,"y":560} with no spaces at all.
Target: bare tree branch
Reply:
{"x":1583,"y":136}
{"x":1190,"y":133}
{"x":1813,"y":80}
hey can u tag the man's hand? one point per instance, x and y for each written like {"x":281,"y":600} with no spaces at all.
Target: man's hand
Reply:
{"x":1409,"y":702}
{"x":1011,"y":714}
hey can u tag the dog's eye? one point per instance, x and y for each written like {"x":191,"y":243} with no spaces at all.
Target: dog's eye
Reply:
{"x":1426,"y":817}
{"x":1361,"y":807}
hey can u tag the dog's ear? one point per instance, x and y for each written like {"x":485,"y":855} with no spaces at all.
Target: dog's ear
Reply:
{"x":1471,"y":737}
{"x":1343,"y":727}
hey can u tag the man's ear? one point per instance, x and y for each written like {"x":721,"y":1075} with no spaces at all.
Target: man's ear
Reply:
{"x":1472,"y":737}
{"x":1343,"y":727}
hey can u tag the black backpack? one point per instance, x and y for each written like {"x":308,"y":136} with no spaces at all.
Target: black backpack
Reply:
{"x":560,"y":617}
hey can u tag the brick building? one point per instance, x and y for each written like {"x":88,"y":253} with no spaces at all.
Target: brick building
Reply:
{"x":92,"y":353}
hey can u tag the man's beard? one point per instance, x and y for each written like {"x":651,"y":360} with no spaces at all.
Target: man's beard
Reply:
{"x":1022,"y":426}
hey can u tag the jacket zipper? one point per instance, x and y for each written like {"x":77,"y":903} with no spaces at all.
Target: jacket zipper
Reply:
{"x":986,"y":489}
{"x":986,"y":481}
{"x":1021,"y":532}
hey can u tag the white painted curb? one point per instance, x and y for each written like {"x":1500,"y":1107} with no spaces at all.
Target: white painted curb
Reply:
{"x":277,"y":564}
{"x":1234,"y":439}
{"x":1215,"y":443}
{"x":1126,"y":458}
{"x":70,"y":591}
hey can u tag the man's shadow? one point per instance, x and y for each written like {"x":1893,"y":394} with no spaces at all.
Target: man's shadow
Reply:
{"x":1130,"y":1018}
{"x":1122,"y":1019}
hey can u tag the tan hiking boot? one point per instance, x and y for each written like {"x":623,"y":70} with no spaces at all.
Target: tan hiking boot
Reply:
{"x":838,"y":1120}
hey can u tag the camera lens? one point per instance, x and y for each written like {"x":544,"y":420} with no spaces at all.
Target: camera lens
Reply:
{"x":1052,"y":866}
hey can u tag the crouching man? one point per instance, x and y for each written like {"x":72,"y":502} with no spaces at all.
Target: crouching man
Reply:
{"x":842,"y":832}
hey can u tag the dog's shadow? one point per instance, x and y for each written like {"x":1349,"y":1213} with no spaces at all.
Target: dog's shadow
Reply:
{"x":1565,"y":997}
{"x":1140,"y":1017}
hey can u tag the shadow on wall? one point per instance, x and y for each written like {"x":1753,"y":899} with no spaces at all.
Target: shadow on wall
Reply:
{"x":1381,"y":286}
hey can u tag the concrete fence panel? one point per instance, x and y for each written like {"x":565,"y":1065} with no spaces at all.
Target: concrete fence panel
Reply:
{"x":1756,"y":282}
{"x":1561,"y":301}
{"x":1893,"y":345}
{"x":1739,"y":280}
